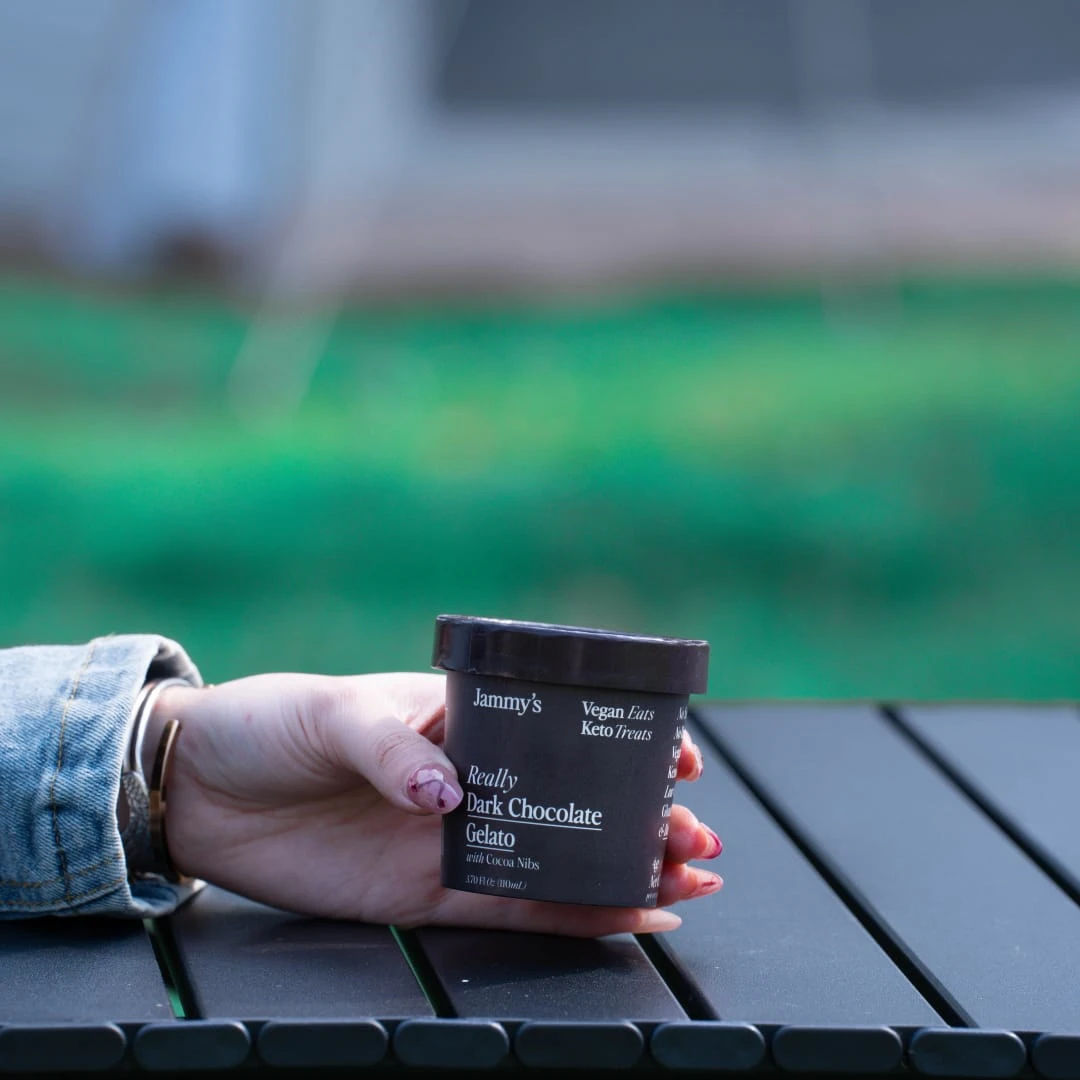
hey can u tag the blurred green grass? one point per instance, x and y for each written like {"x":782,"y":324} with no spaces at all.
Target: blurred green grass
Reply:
{"x":859,"y":499}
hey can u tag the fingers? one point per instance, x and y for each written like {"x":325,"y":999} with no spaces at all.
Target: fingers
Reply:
{"x":540,"y":917}
{"x":376,"y":737}
{"x":690,"y":762}
{"x":403,"y":765}
{"x":418,"y":700}
{"x":582,"y":921}
{"x":681,"y":882}
{"x":678,"y":882}
{"x":689,"y":838}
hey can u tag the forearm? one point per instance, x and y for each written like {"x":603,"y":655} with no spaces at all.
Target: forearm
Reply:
{"x":64,"y":719}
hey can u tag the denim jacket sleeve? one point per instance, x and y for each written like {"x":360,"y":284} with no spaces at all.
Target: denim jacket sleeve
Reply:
{"x":65,"y":713}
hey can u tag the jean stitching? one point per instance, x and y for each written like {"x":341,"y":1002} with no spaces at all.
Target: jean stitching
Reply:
{"x":90,"y":894}
{"x":4,"y":884}
{"x":56,"y":776}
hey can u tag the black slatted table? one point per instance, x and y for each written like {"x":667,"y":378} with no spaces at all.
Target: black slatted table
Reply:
{"x":902,"y":896}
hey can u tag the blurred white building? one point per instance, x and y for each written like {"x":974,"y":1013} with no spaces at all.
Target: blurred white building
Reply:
{"x":326,"y":144}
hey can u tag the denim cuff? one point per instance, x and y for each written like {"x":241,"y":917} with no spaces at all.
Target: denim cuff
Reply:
{"x":65,"y":713}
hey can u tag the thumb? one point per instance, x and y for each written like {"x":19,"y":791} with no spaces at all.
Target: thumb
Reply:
{"x":404,"y":766}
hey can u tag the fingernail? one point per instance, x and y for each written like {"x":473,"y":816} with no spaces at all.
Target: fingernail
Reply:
{"x":709,"y":885}
{"x":715,"y":844}
{"x":431,"y":789}
{"x":657,"y":921}
{"x":699,"y":762}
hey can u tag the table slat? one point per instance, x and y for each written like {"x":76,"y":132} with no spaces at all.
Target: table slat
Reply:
{"x":79,"y":971}
{"x":246,"y":961}
{"x":776,"y":945}
{"x":1022,"y":763}
{"x":997,"y":936}
{"x":510,"y":976}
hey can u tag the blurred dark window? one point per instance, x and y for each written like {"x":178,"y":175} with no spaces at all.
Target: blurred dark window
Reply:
{"x":931,"y":50}
{"x":571,"y":54}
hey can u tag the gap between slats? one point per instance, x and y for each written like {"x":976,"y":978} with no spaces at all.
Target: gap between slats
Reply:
{"x":1045,"y":862}
{"x":692,"y":1001}
{"x":424,"y":973}
{"x":181,"y":997}
{"x":923,"y":981}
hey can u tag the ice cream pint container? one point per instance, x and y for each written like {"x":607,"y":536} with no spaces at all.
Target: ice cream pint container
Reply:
{"x":566,"y":741}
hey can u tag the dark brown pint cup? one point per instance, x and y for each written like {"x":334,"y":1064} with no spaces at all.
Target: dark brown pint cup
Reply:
{"x":566,"y":742}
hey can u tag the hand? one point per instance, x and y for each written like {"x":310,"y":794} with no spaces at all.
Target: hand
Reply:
{"x":324,"y":795}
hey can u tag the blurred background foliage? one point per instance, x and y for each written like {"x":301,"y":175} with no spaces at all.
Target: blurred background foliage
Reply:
{"x":751,"y":320}
{"x":862,"y":503}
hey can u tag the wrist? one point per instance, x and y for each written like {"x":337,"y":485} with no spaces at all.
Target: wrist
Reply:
{"x":169,"y":703}
{"x":164,"y":763}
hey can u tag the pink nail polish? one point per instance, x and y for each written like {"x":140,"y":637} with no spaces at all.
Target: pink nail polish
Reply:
{"x":431,"y":789}
{"x":710,"y":885}
{"x":716,"y":844}
{"x":699,"y":762}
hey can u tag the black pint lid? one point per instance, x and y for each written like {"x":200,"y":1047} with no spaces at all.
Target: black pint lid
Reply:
{"x":572,"y":655}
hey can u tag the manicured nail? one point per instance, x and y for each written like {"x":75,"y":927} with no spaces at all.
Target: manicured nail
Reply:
{"x":699,"y":762}
{"x":431,"y":789}
{"x":715,"y":844}
{"x":657,"y":921}
{"x":709,"y":885}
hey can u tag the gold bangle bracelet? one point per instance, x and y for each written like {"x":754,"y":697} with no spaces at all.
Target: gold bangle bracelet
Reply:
{"x":158,"y":793}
